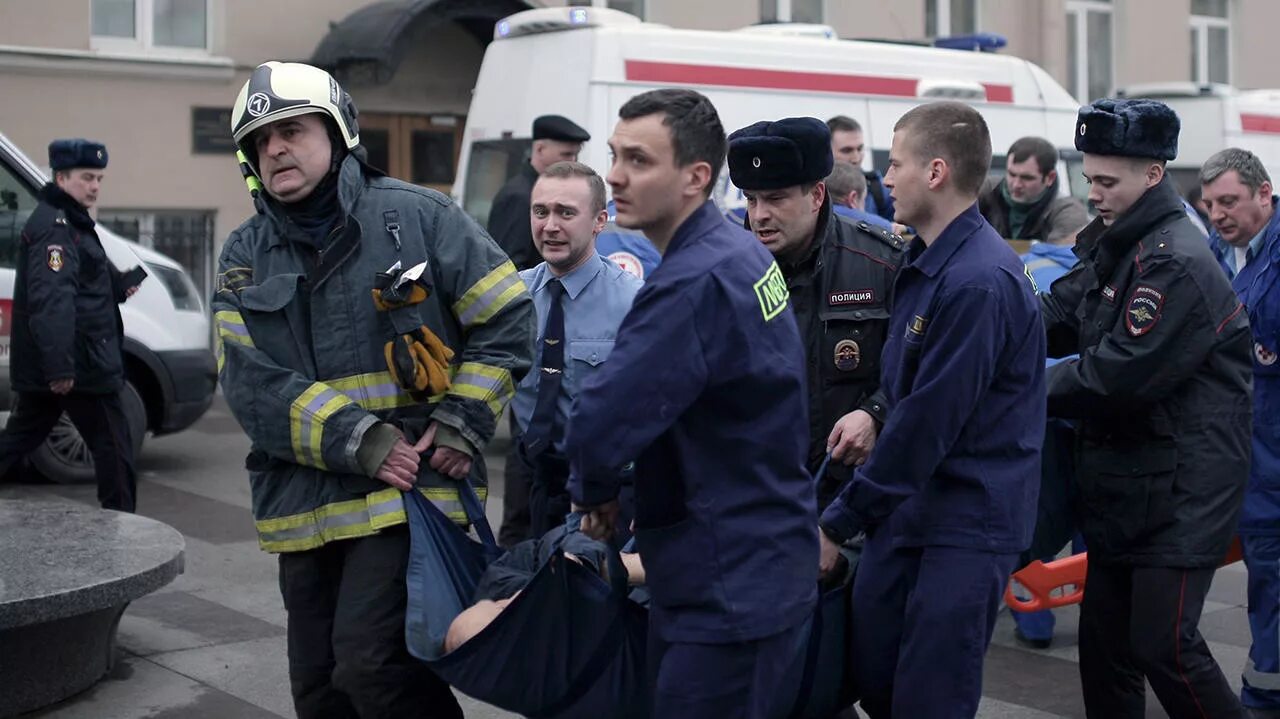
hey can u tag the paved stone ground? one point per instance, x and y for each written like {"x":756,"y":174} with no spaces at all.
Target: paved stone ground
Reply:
{"x":212,"y":644}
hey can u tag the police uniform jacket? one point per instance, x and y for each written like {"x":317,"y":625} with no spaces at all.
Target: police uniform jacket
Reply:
{"x":65,"y":302}
{"x":301,"y":361}
{"x":840,"y":293}
{"x":1160,"y":391}
{"x":509,"y":218}
{"x":705,"y":390}
{"x":1255,"y":285}
{"x":958,"y":462}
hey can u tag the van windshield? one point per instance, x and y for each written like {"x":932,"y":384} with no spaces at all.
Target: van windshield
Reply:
{"x":491,"y":164}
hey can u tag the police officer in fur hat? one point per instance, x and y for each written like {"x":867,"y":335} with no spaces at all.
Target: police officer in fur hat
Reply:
{"x":840,"y":274}
{"x":1160,"y":397}
{"x":67,"y":333}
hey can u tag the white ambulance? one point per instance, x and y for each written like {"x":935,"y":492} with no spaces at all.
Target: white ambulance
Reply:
{"x":170,"y":370}
{"x":1215,"y":117}
{"x":584,"y":63}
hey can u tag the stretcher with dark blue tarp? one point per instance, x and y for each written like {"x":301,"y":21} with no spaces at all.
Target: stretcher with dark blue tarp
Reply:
{"x":571,"y":644}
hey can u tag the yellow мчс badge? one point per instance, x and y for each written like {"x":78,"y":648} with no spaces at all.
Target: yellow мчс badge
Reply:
{"x":772,"y":292}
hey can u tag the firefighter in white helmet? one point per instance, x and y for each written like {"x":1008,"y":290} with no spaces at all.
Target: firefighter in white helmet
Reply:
{"x":369,"y":336}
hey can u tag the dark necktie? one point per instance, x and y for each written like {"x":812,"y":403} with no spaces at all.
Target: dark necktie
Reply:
{"x":544,"y":431}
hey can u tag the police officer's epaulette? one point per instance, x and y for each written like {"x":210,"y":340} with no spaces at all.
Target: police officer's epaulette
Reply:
{"x":880,"y":233}
{"x":60,"y":218}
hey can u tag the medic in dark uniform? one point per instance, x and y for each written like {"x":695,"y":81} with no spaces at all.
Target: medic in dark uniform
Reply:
{"x":705,"y":390}
{"x":948,"y":496}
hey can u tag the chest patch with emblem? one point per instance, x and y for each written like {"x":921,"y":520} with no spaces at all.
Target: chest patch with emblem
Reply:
{"x":917,"y":326}
{"x":1109,"y":293}
{"x":1143,"y":311}
{"x":54,"y":259}
{"x":847,"y":355}
{"x":853,"y":297}
{"x":1265,"y":357}
{"x":771,"y":291}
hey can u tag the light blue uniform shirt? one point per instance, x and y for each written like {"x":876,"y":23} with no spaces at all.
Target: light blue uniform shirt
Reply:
{"x":597,"y":296}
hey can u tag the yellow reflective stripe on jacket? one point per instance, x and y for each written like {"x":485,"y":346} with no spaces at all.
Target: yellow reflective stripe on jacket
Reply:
{"x":230,"y":329}
{"x":352,"y":518}
{"x":491,"y":385}
{"x":372,"y":391}
{"x":487,"y":297}
{"x":307,"y":416}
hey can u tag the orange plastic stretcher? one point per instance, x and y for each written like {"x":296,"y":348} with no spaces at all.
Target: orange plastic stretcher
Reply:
{"x":1040,"y":580}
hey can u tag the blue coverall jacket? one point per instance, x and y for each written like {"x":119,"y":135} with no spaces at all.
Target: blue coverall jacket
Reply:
{"x":705,"y":390}
{"x":958,"y":462}
{"x":1255,"y":285}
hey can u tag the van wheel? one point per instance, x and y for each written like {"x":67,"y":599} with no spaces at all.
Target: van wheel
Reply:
{"x":64,"y":457}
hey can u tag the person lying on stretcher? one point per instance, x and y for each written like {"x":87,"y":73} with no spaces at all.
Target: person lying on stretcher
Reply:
{"x":504,"y":579}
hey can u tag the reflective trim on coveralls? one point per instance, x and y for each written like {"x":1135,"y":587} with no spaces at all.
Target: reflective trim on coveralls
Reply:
{"x":491,"y":385}
{"x":230,"y":329}
{"x":489,"y":296}
{"x":372,"y":391}
{"x":307,"y":416}
{"x":1261,"y":680}
{"x":353,"y":518}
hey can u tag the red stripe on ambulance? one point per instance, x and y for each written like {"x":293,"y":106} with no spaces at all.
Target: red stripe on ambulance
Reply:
{"x":685,"y":74}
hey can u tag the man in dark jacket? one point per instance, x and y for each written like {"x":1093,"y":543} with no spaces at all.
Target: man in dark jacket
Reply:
{"x":839,"y":274}
{"x":67,"y":334}
{"x":848,"y":145}
{"x":1160,"y":397}
{"x":555,"y":139}
{"x":1025,"y":204}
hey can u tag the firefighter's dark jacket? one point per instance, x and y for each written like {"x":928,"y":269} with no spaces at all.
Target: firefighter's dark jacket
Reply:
{"x":301,"y":355}
{"x":1161,"y":390}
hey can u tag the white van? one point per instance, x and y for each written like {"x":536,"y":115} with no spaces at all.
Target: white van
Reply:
{"x":1215,"y":117}
{"x":584,"y":63}
{"x":170,"y":370}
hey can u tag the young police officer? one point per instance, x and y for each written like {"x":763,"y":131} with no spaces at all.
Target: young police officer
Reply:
{"x":948,"y":496}
{"x":362,"y":321}
{"x":705,"y":389}
{"x":581,"y":299}
{"x":839,"y":275}
{"x":1160,"y":396}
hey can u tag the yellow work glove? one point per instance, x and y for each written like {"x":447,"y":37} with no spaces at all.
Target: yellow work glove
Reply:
{"x":419,"y":362}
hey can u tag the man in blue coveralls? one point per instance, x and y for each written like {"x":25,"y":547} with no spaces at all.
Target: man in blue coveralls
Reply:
{"x":948,"y":495}
{"x":1238,"y":194}
{"x":705,"y":390}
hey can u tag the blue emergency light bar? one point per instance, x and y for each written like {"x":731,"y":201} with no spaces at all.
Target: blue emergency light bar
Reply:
{"x":977,"y":42}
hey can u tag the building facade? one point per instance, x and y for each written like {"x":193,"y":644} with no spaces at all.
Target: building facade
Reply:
{"x":155,"y":79}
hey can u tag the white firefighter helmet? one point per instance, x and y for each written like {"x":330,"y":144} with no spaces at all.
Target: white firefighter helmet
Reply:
{"x":277,"y":90}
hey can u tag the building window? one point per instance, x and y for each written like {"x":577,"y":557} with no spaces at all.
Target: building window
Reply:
{"x":171,"y":25}
{"x":1089,"y":49}
{"x":635,"y":7}
{"x":811,"y":11}
{"x":186,"y":236}
{"x":943,"y":18}
{"x":1210,"y":41}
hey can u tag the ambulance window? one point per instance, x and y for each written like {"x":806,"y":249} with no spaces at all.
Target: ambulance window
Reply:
{"x":1072,"y":167}
{"x":491,"y":164}
{"x":17,"y":201}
